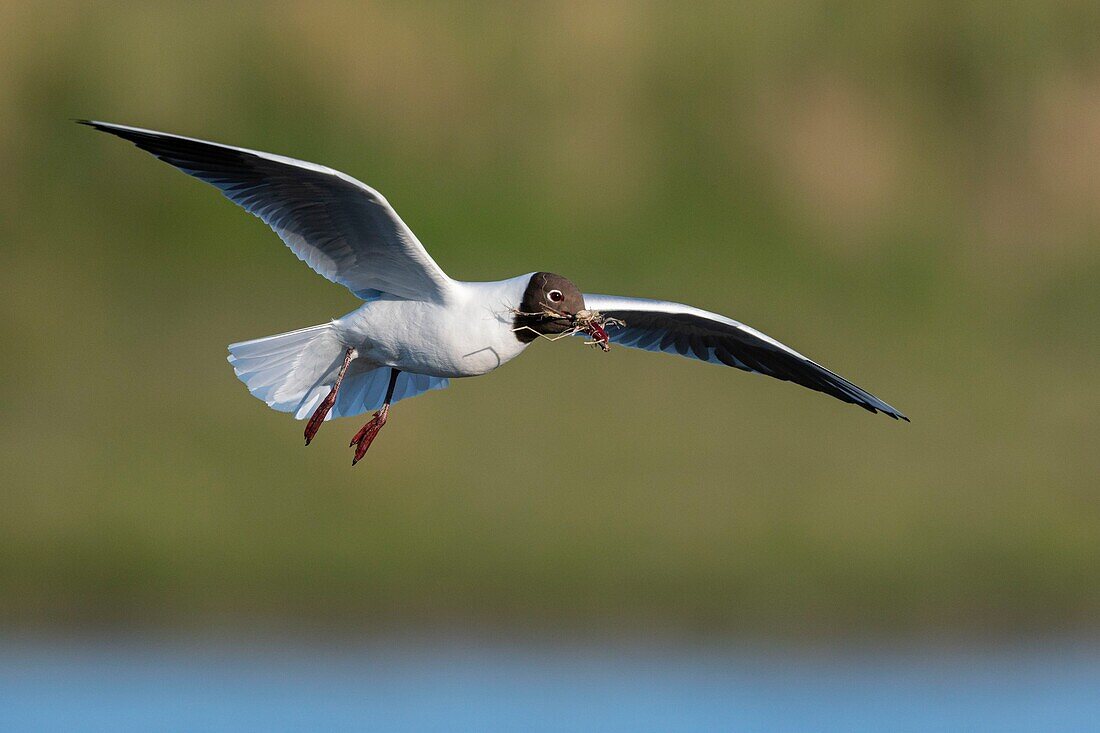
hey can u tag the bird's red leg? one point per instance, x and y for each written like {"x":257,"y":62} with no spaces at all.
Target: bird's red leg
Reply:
{"x":369,"y":432}
{"x":322,"y":410}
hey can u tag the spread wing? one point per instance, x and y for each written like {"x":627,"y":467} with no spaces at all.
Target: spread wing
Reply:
{"x":674,"y":328}
{"x":342,"y":228}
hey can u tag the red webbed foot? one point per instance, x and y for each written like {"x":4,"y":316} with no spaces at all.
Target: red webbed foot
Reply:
{"x":366,"y":435}
{"x":319,"y":415}
{"x":323,"y":409}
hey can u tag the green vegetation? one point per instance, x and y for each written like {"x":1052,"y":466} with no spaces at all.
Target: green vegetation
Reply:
{"x":908,"y":194}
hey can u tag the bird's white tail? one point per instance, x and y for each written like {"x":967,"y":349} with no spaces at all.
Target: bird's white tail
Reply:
{"x":286,"y":369}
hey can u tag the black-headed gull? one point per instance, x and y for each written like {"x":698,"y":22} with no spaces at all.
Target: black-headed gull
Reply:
{"x":417,"y":327}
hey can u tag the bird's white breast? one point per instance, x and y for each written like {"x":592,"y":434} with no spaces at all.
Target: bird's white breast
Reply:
{"x":471,"y":334}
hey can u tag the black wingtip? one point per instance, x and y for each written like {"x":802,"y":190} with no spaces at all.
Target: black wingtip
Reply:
{"x":97,"y":125}
{"x":894,"y":414}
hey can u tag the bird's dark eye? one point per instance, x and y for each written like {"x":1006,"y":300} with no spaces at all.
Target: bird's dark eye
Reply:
{"x":555,"y":296}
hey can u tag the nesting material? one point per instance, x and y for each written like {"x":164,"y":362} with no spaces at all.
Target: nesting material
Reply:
{"x":595,"y":324}
{"x":589,"y":322}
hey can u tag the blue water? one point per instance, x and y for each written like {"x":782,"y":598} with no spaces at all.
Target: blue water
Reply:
{"x":447,"y":685}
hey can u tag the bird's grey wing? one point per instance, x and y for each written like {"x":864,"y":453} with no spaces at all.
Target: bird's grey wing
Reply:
{"x":342,"y":228}
{"x":674,"y":328}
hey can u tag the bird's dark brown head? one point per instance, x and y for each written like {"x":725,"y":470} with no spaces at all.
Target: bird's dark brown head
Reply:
{"x":549,"y":306}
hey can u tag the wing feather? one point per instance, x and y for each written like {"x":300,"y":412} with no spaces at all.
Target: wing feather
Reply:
{"x":675,"y":328}
{"x":342,"y":228}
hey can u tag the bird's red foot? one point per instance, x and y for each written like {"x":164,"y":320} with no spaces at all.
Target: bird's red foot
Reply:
{"x":366,"y":435}
{"x":322,"y":410}
{"x":319,"y":415}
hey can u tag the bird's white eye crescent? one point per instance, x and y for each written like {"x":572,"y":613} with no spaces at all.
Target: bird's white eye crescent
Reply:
{"x":555,"y":296}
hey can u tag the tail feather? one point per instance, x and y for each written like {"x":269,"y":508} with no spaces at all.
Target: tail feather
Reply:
{"x":293,"y":372}
{"x":281,"y":370}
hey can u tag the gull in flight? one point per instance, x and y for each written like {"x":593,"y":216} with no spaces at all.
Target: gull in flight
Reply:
{"x":417,"y":328}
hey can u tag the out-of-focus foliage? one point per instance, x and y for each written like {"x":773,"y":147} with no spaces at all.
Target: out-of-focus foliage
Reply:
{"x":907,"y":192}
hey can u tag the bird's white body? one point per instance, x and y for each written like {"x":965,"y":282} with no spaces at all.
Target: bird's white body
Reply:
{"x":469,"y":334}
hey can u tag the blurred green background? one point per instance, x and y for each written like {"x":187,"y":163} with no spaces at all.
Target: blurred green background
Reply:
{"x":906,"y":192}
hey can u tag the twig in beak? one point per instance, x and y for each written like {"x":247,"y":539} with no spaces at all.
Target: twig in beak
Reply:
{"x":592,"y":323}
{"x":595,"y":325}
